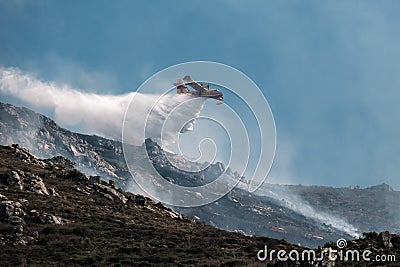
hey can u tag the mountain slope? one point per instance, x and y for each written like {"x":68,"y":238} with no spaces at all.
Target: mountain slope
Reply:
{"x":376,"y":208}
{"x":310,"y":215}
{"x":52,"y":214}
{"x":44,"y":138}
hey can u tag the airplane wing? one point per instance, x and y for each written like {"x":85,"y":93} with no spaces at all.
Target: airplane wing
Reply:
{"x":179,"y":82}
{"x":193,"y":84}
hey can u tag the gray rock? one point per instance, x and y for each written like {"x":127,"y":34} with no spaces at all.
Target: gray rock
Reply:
{"x":139,"y":199}
{"x":56,"y":219}
{"x":50,"y":219}
{"x":34,"y":213}
{"x":35,"y":235}
{"x":24,"y":202}
{"x":13,"y":179}
{"x":113,"y":193}
{"x":94,"y":179}
{"x":20,"y":241}
{"x":62,"y":162}
{"x":385,"y":238}
{"x":15,"y":220}
{"x":10,"y":208}
{"x":53,"y":192}
{"x":18,"y":230}
{"x":37,"y":185}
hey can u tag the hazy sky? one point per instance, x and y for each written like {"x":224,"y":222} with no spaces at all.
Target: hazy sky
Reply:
{"x":329,"y":69}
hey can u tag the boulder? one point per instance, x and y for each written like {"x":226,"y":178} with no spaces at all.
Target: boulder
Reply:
{"x":107,"y":190}
{"x":139,"y":199}
{"x":10,"y":208}
{"x":36,"y":184}
{"x":53,"y":192}
{"x":94,"y":179}
{"x":50,"y":219}
{"x":18,"y":230}
{"x":24,"y":202}
{"x":15,"y":220}
{"x":384,"y":238}
{"x":12,"y":178}
{"x":62,"y":162}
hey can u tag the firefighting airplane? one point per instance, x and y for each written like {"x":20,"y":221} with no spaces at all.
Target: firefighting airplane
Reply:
{"x":199,"y":89}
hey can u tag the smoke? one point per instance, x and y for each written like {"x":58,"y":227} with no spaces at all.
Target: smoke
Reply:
{"x":100,"y":114}
{"x":293,"y":201}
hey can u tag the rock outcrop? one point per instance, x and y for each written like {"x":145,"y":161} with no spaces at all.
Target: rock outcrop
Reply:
{"x":44,"y":138}
{"x":16,"y":213}
{"x":25,"y":181}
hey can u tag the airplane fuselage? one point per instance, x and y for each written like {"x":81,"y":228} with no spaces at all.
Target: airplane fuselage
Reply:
{"x":211,"y":93}
{"x":199,"y":89}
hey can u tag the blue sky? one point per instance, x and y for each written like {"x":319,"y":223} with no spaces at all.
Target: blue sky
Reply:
{"x":329,"y":69}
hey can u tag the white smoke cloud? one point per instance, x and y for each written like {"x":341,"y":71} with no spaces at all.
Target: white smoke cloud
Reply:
{"x":95,"y":113}
{"x":296,"y":203}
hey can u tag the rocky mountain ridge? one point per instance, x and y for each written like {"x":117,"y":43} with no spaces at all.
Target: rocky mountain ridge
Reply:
{"x":52,"y":214}
{"x":44,"y":138}
{"x":310,"y":215}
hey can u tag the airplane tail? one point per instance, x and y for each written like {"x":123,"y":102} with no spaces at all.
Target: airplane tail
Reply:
{"x":187,"y":78}
{"x":181,"y":87}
